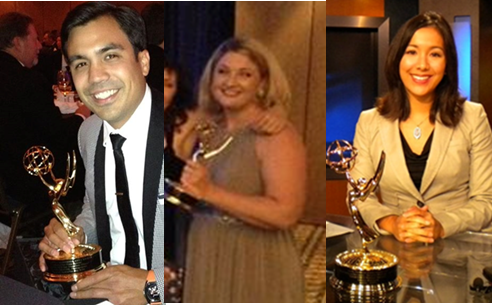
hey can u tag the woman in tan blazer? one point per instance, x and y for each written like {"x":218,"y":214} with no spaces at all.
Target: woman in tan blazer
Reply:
{"x":438,"y":175}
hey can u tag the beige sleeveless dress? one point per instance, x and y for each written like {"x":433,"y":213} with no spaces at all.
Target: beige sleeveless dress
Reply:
{"x":231,"y":261}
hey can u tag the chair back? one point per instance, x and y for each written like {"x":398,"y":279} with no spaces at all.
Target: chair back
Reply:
{"x":14,"y":215}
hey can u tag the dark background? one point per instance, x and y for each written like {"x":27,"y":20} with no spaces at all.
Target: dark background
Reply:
{"x":194,"y":30}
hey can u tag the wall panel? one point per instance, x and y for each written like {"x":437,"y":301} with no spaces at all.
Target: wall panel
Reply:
{"x":55,"y":13}
{"x":370,"y":8}
{"x":336,"y":191}
{"x":294,"y":32}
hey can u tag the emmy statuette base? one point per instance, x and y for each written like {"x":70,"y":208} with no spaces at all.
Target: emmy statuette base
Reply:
{"x":365,"y":275}
{"x":84,"y":261}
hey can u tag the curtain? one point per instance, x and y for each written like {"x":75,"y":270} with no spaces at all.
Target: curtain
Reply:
{"x":194,"y":29}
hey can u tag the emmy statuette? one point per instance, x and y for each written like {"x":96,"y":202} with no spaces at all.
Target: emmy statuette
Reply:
{"x":361,"y":274}
{"x":83,"y":260}
{"x":211,"y":142}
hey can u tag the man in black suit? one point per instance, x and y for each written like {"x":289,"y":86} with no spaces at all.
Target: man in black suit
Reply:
{"x":105,"y":48}
{"x":28,"y":116}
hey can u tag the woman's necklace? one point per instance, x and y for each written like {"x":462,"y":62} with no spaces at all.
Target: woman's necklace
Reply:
{"x":417,"y":132}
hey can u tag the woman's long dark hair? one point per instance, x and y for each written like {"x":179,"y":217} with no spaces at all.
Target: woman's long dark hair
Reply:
{"x":448,"y":101}
{"x":175,"y":114}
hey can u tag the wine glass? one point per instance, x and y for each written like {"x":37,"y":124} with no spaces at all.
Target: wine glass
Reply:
{"x":64,"y":81}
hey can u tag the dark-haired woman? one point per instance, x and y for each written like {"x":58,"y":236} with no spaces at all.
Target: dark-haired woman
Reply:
{"x":179,"y":122}
{"x":438,"y":175}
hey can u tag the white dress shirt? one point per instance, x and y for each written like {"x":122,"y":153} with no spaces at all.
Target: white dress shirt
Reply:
{"x":135,"y":131}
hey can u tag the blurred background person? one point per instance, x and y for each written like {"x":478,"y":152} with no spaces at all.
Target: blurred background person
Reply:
{"x":50,"y":57}
{"x":179,"y":123}
{"x":28,"y":118}
{"x":49,"y":42}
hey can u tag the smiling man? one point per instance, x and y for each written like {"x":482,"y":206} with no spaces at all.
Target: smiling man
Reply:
{"x":105,"y":48}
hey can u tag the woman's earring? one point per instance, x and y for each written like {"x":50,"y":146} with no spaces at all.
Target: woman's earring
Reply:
{"x":260,"y":95}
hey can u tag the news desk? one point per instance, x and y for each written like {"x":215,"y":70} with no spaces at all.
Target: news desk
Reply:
{"x":449,"y":271}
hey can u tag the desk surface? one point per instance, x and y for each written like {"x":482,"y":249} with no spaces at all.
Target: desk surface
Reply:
{"x":450,"y":270}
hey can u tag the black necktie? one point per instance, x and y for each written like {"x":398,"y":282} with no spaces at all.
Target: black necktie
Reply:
{"x":124,"y":207}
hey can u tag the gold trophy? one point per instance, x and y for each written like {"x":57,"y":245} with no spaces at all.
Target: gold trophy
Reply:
{"x":361,"y":274}
{"x":211,"y":142}
{"x":83,"y":260}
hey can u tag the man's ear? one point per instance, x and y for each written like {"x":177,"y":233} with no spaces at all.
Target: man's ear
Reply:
{"x":17,"y":42}
{"x":144,"y":61}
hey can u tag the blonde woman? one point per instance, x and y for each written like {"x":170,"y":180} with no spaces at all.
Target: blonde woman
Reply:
{"x":240,"y":247}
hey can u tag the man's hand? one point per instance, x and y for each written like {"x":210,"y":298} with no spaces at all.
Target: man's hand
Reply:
{"x":268,"y":123}
{"x":55,"y":239}
{"x":121,"y":285}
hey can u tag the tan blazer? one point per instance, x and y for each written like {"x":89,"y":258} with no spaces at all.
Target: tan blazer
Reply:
{"x":457,"y":181}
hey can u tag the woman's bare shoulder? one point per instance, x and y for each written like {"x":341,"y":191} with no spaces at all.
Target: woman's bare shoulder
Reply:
{"x":287,"y":139}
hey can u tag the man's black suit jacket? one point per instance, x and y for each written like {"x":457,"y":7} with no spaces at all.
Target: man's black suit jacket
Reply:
{"x":28,"y":117}
{"x":155,"y":79}
{"x":49,"y":64}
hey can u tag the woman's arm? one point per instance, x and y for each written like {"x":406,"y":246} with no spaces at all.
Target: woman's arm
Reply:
{"x":185,"y":136}
{"x":477,"y":213}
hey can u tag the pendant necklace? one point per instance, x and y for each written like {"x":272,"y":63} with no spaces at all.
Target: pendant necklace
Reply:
{"x":417,"y":132}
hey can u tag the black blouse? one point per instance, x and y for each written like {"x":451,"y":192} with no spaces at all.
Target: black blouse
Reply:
{"x":416,"y":163}
{"x":172,"y":164}
{"x":173,"y":168}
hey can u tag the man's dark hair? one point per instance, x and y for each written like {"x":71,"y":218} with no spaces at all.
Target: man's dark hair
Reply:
{"x":127,"y":18}
{"x":13,"y":25}
{"x":153,"y":16}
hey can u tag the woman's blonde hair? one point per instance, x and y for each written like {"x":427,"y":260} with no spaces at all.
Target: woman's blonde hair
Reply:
{"x":275,"y":92}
